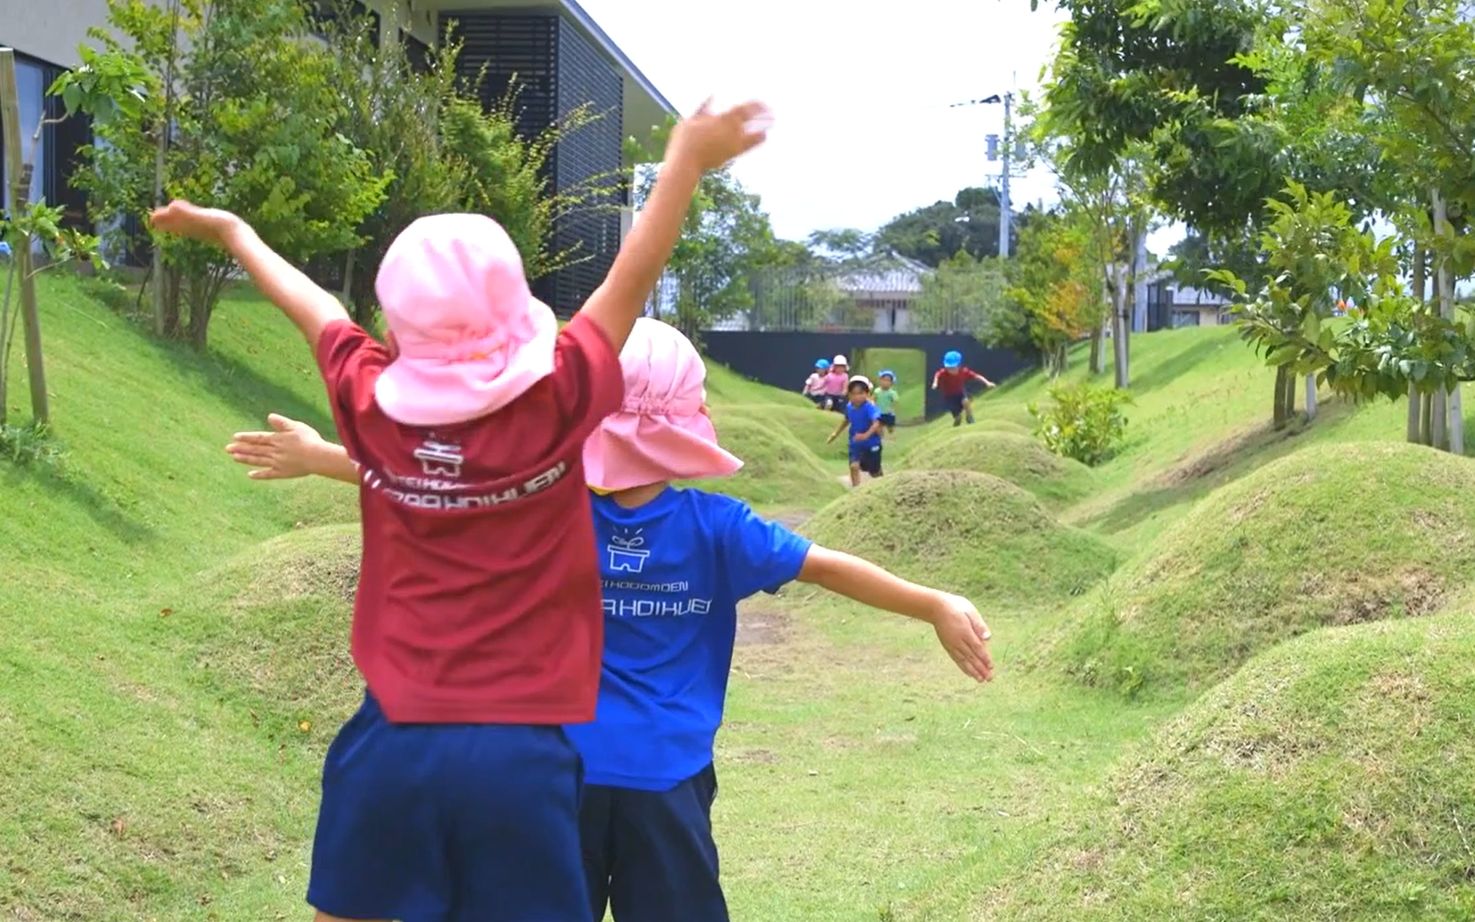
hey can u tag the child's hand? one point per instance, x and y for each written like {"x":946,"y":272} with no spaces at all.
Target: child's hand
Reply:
{"x":182,"y":219}
{"x":287,"y":451}
{"x":708,"y":140}
{"x":964,"y":636}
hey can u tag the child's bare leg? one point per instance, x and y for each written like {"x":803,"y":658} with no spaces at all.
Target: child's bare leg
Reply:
{"x":854,"y":474}
{"x":968,"y":409}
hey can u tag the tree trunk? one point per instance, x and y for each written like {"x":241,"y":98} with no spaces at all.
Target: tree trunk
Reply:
{"x":1097,"y":334}
{"x":1454,"y":408}
{"x":1278,"y":413}
{"x":1062,"y":358}
{"x":347,"y":297}
{"x":169,"y":290}
{"x":1415,"y":405}
{"x":1310,"y":398}
{"x":1418,"y":285}
{"x":1119,"y":328}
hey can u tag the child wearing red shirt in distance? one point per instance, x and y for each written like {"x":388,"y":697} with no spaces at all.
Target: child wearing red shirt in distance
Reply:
{"x":676,"y":562}
{"x":453,"y":793}
{"x":952,"y":379}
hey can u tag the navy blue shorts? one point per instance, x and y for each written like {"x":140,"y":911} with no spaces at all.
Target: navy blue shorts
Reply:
{"x":448,"y":823}
{"x":954,"y":403}
{"x":820,"y":400}
{"x":649,"y":856}
{"x":869,"y":459}
{"x":888,"y":420}
{"x":838,"y":404}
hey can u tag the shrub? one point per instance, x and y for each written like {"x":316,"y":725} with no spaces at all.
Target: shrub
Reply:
{"x":1086,"y":423}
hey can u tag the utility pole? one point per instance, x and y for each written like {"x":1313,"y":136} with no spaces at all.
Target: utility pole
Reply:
{"x":1004,"y":208}
{"x":1008,"y":142}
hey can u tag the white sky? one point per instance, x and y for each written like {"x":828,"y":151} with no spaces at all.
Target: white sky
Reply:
{"x":860,"y":92}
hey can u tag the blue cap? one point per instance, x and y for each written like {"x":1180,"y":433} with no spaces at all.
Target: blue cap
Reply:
{"x":887,"y":373}
{"x":952,"y":359}
{"x":822,"y":364}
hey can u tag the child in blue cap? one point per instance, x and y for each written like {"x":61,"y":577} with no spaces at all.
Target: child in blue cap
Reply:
{"x":814,"y":385}
{"x":952,"y":379}
{"x":886,"y":397}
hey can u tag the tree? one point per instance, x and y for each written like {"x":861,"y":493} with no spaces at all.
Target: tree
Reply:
{"x":1157,"y":90}
{"x":1315,"y":257}
{"x":1055,"y":285}
{"x":936,"y":233}
{"x":1417,"y":104}
{"x":244,"y":107}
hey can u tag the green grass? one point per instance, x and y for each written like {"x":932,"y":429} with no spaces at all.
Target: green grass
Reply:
{"x":1015,"y":457}
{"x":1329,"y":779}
{"x":779,"y":472}
{"x":970,"y":533}
{"x":173,"y":652}
{"x":1308,"y":541}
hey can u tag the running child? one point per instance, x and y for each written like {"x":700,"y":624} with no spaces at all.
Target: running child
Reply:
{"x":836,"y":381}
{"x":952,"y":380}
{"x":864,"y":422}
{"x":814,"y":385}
{"x":885,"y":398}
{"x":453,"y":792}
{"x":675,"y":564}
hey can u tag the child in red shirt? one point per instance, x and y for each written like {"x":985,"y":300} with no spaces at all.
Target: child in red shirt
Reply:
{"x":952,"y":380}
{"x":453,"y":792}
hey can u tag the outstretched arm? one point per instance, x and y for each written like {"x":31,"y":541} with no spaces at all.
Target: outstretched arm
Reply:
{"x":986,"y":381}
{"x":305,"y":304}
{"x":706,"y":141}
{"x":838,"y":429}
{"x":959,"y":628}
{"x":291,"y":449}
{"x":935,"y":379}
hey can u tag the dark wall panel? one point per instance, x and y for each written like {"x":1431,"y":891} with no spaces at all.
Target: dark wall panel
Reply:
{"x":785,"y":359}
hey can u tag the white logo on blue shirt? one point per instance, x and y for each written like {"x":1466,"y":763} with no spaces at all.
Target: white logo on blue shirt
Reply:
{"x":627,"y":553}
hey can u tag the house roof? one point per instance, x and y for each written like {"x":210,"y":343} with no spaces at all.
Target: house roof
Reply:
{"x":645,"y":107}
{"x":892,"y":274}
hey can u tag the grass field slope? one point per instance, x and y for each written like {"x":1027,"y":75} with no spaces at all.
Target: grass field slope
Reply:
{"x":1234,"y":676}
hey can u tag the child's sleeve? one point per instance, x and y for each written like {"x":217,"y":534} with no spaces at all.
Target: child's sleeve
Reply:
{"x":760,"y":556}
{"x":586,"y":375}
{"x":350,"y":361}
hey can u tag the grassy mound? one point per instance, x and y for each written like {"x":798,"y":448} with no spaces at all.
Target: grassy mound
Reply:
{"x":1018,"y":459}
{"x":971,"y":533}
{"x":807,"y":424}
{"x":778,"y":472}
{"x":273,"y":625}
{"x":1328,"y":779}
{"x":1329,"y":535}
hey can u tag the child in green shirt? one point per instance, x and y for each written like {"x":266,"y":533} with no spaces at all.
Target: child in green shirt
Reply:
{"x":885,"y":398}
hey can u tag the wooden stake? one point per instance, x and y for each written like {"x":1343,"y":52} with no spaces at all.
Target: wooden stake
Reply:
{"x":19,"y":175}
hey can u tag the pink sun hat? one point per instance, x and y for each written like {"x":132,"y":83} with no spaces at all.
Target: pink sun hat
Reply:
{"x":471,"y":337}
{"x":662,"y":431}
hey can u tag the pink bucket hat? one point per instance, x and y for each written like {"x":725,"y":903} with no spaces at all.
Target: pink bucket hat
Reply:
{"x":471,"y":336}
{"x":662,"y":431}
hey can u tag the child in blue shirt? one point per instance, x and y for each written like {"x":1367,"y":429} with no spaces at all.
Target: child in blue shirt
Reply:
{"x":863,"y":418}
{"x":675,"y":563}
